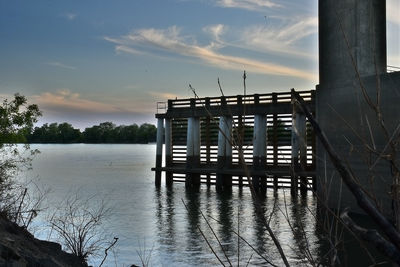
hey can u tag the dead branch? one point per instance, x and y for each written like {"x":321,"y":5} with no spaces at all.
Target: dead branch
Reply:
{"x":107,"y":249}
{"x":373,"y":237}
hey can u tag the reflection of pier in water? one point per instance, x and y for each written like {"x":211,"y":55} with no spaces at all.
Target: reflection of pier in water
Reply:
{"x":229,"y":212}
{"x":205,"y":137}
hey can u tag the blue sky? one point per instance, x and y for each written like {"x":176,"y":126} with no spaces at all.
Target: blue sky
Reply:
{"x":91,"y":61}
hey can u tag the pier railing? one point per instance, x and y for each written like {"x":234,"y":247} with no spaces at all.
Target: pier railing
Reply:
{"x":204,"y":138}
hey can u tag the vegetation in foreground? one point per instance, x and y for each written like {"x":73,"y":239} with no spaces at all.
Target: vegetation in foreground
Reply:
{"x":19,"y":204}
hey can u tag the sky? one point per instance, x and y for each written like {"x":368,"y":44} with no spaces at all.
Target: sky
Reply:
{"x":90,"y":61}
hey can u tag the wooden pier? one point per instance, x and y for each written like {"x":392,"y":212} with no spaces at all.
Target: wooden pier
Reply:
{"x":223,"y":140}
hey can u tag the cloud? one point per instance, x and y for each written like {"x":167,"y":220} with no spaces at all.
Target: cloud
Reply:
{"x":392,"y":11}
{"x":60,"y":65}
{"x":64,"y":99}
{"x":70,"y":16}
{"x":216,"y":31}
{"x":282,"y":38}
{"x":164,"y":96}
{"x":254,"y":5}
{"x":126,"y":49}
{"x":171,"y":41}
{"x":64,"y":102}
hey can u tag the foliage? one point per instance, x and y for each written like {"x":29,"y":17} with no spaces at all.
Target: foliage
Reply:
{"x":106,"y":132}
{"x":16,"y":121}
{"x":77,"y":223}
{"x":55,"y":133}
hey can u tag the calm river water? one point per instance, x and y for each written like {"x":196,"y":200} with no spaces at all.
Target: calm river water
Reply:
{"x":150,"y":221}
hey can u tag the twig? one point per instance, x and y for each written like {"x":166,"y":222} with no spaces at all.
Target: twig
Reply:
{"x":247,"y":243}
{"x":106,"y":250}
{"x":215,"y":235}
{"x":205,"y":238}
{"x":373,"y":237}
{"x":363,"y":201}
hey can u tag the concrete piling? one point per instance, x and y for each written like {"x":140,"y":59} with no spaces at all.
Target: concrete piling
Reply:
{"x":160,"y":129}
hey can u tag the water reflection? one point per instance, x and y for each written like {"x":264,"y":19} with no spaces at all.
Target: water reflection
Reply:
{"x":178,"y":227}
{"x":158,"y":217}
{"x":165,"y":221}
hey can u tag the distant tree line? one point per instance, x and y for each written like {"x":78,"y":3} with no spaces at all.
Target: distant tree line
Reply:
{"x":106,"y":132}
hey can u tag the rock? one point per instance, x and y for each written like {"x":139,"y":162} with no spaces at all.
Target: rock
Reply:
{"x":19,"y":248}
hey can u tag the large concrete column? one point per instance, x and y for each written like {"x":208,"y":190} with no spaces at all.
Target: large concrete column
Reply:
{"x":224,"y":151}
{"x":193,"y":151}
{"x":160,"y":130}
{"x":259,"y":149}
{"x":168,"y":151}
{"x":363,"y":22}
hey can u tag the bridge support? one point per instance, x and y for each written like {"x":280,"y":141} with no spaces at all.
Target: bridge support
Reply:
{"x":224,"y":151}
{"x":168,"y":151}
{"x":259,"y":150}
{"x":193,"y":151}
{"x":160,"y":129}
{"x":299,"y":151}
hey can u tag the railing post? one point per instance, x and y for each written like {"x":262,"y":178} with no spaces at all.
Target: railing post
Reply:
{"x":160,"y":129}
{"x":168,"y":151}
{"x":170,"y":105}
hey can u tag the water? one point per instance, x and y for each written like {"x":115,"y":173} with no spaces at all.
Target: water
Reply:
{"x":155,"y":222}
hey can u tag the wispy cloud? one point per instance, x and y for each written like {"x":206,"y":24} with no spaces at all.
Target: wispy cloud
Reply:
{"x":60,"y":65}
{"x":164,"y":96}
{"x":281,"y":37}
{"x":70,"y":16}
{"x":64,"y":99}
{"x":255,"y":5}
{"x":216,"y":31}
{"x":172,"y":41}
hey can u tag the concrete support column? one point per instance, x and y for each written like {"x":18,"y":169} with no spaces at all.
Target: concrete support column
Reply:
{"x":160,"y":130}
{"x":228,"y":151}
{"x":275,"y":139}
{"x":240,"y":139}
{"x":168,"y":151}
{"x":301,"y":128}
{"x":193,"y":151}
{"x":364,"y":25}
{"x":259,"y":150}
{"x":224,"y":151}
{"x":295,"y":151}
{"x":299,"y":150}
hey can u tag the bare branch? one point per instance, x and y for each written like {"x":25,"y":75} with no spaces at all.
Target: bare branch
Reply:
{"x":362,"y":199}
{"x":373,"y":237}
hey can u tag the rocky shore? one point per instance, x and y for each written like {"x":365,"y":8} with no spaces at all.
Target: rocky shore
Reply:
{"x":19,"y":248}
